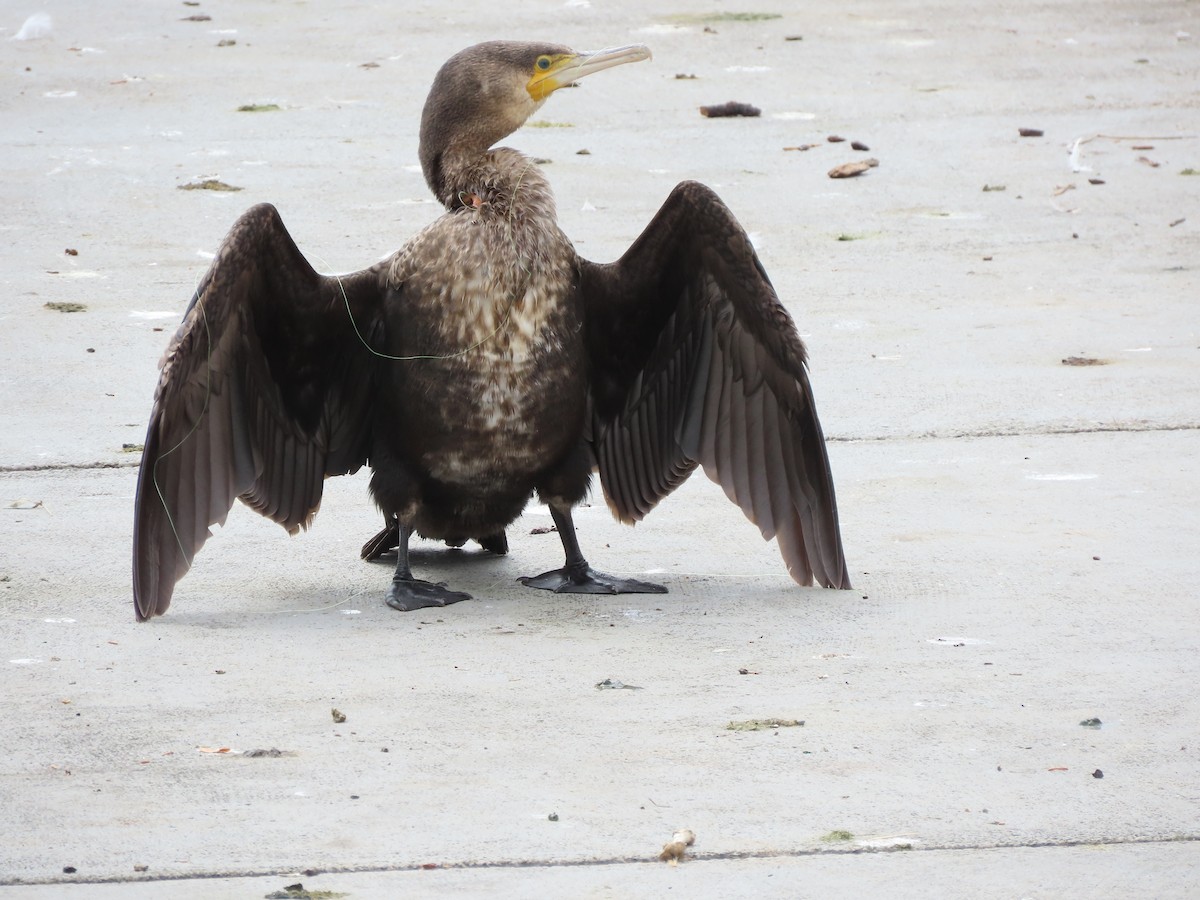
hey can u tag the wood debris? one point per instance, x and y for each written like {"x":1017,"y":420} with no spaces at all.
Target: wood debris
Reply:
{"x":732,"y":108}
{"x":850,"y":169}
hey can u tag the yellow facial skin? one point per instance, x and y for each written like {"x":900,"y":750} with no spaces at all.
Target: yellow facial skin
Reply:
{"x":544,"y":82}
{"x":552,"y":71}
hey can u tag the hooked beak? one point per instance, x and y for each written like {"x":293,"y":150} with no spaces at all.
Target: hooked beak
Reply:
{"x":568,"y":69}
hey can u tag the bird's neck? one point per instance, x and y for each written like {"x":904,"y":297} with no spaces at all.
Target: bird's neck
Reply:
{"x":506,"y":181}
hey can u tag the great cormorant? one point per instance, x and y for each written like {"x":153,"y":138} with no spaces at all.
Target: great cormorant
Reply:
{"x":486,"y":361}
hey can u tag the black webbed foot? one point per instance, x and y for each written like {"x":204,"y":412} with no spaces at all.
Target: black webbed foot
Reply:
{"x":576,"y":576}
{"x":407,"y":595}
{"x":586,"y":580}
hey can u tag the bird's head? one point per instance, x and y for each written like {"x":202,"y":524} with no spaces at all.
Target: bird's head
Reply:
{"x":486,"y":92}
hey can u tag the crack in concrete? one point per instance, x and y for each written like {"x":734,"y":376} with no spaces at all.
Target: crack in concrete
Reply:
{"x":1132,"y":428}
{"x":727,"y":856}
{"x":1036,"y":431}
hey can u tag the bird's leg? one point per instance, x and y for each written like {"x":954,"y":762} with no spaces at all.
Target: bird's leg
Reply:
{"x":389,"y":539}
{"x":576,"y":576}
{"x":386,"y":540}
{"x":408,"y":593}
{"x":495,"y":543}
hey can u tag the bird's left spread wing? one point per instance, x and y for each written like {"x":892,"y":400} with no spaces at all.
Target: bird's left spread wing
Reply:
{"x":265,"y":389}
{"x":694,"y":360}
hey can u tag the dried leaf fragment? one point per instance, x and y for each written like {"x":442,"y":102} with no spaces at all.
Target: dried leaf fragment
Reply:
{"x":613,"y":684}
{"x":208,"y":184}
{"x":850,"y":169}
{"x":25,"y":504}
{"x":299,"y":891}
{"x":675,"y":849}
{"x":764,"y":724}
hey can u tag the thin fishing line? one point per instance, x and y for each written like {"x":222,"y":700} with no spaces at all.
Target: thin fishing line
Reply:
{"x":495,"y":331}
{"x":200,"y":304}
{"x":203,"y":312}
{"x":313,"y":609}
{"x":457,"y":353}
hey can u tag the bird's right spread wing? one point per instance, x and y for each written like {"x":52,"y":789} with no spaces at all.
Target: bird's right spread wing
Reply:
{"x":265,"y":389}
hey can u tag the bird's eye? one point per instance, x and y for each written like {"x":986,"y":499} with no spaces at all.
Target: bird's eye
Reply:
{"x":543,"y":63}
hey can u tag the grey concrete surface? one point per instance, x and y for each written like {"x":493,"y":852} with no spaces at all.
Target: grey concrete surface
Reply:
{"x":1022,"y":533}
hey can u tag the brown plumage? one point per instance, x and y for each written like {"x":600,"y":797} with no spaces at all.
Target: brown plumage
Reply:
{"x":485,"y":362}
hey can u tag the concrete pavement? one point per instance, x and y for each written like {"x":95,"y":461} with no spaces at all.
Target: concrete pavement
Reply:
{"x":1021,"y":532}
